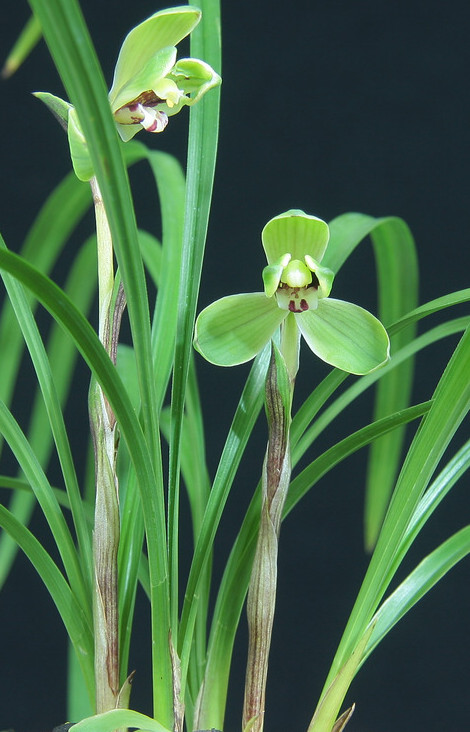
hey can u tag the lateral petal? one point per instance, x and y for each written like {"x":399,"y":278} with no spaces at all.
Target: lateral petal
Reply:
{"x":236,"y":328}
{"x":345,"y":335}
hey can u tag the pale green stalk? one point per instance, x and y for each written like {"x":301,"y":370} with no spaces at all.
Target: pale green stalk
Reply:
{"x":106,"y":527}
{"x":261,"y":600}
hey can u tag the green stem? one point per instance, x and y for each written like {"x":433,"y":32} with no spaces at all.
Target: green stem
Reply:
{"x":107,"y":526}
{"x":261,"y":600}
{"x":105,"y":545}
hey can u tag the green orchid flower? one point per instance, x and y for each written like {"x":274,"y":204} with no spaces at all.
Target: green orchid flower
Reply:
{"x":235,"y":329}
{"x":149,"y":85}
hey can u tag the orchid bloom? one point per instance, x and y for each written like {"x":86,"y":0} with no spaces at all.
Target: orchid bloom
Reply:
{"x":235,"y":329}
{"x":149,"y":85}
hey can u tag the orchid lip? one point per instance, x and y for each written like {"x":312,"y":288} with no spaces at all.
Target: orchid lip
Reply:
{"x":154,"y":121}
{"x":297,"y":299}
{"x":151,"y":119}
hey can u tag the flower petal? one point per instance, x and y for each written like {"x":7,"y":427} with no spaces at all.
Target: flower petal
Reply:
{"x":297,"y":233}
{"x":234,"y":329}
{"x":272,"y":275}
{"x":127,"y":132}
{"x":165,"y":28}
{"x":324,"y":276}
{"x":158,"y":66}
{"x":194,"y":77}
{"x":345,"y":335}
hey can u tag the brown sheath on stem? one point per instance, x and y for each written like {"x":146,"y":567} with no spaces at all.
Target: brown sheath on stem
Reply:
{"x":262,"y":591}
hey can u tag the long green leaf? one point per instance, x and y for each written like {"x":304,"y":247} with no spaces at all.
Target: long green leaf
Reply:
{"x":89,"y":345}
{"x":417,"y":584}
{"x":397,"y":274}
{"x":310,"y":475}
{"x":237,"y":573}
{"x":451,"y":402}
{"x":171,"y":190}
{"x":429,"y":308}
{"x":57,"y":218}
{"x":52,"y":404}
{"x":23,"y":46}
{"x":171,"y":186}
{"x":358,"y":387}
{"x":62,"y":354}
{"x":34,"y":474}
{"x":73,"y":617}
{"x":245,"y":417}
{"x":436,"y":492}
{"x":397,"y":268}
{"x":22,"y":485}
{"x":197,"y":482}
{"x":202,"y":150}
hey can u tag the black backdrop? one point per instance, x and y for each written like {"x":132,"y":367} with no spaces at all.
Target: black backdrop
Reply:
{"x":327,"y":106}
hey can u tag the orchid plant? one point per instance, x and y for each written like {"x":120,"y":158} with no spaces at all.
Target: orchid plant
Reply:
{"x":119,"y":533}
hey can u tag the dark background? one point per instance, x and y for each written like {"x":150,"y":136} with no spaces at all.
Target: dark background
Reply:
{"x":330,"y":107}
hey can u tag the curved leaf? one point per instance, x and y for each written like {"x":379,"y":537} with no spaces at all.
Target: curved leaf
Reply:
{"x":34,"y":474}
{"x":397,"y":270}
{"x":76,"y":623}
{"x":92,"y":350}
{"x":205,"y":43}
{"x":417,"y":584}
{"x":54,"y":413}
{"x":62,"y":355}
{"x":23,"y":46}
{"x":451,"y":403}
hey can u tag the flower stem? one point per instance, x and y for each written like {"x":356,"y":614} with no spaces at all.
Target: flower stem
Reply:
{"x":107,"y":525}
{"x":275,"y":483}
